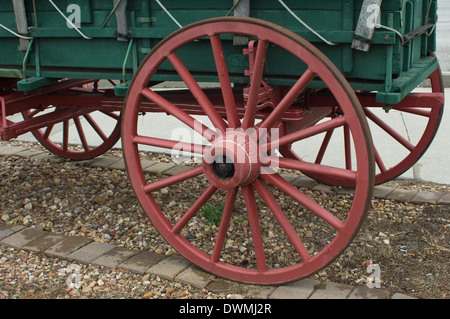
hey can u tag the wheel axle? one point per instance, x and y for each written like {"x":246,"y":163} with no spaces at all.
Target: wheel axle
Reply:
{"x":232,"y":160}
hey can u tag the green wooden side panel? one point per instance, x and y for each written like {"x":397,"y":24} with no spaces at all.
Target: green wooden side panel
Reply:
{"x":59,"y":51}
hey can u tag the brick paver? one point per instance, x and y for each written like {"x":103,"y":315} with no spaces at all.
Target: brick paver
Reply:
{"x":29,"y":153}
{"x":364,"y":292}
{"x":11,"y":150}
{"x":44,"y":242}
{"x":445,"y":199}
{"x":90,"y":252}
{"x":323,"y":188}
{"x":331,"y":290}
{"x":426,"y":197}
{"x":305,"y":182}
{"x":7,"y":230}
{"x":177,"y":169}
{"x":402,"y":195}
{"x":195,"y":277}
{"x":47,"y":157}
{"x":105,"y":162}
{"x":159,"y":168}
{"x":67,"y":246}
{"x":401,"y":296}
{"x":113,"y":258}
{"x":297,"y":290}
{"x":382,"y":191}
{"x":119,"y":165}
{"x":147,"y":163}
{"x":21,"y":238}
{"x":170,"y":267}
{"x":141,"y":262}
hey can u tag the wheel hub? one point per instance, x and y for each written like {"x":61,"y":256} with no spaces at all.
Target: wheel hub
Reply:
{"x":223,"y":168}
{"x":232,"y":160}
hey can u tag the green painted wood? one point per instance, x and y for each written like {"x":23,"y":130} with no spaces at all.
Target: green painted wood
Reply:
{"x":34,"y":83}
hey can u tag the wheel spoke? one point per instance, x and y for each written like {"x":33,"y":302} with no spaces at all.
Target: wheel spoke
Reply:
{"x":170,"y":144}
{"x":389,"y":130}
{"x":224,"y":223}
{"x":255,"y":84}
{"x":295,"y":193}
{"x":225,"y":83}
{"x":262,"y":188}
{"x":413,"y":110}
{"x":379,"y":161}
{"x":47,"y":132}
{"x":347,"y":148}
{"x":288,"y":99}
{"x":324,"y":146}
{"x":65,"y":135}
{"x":179,"y":114}
{"x":111,"y":114}
{"x":305,"y":133}
{"x":193,"y":209}
{"x":312,"y":168}
{"x":250,"y":202}
{"x":81,"y":133}
{"x":198,"y":93}
{"x":193,"y":172}
{"x":95,"y":126}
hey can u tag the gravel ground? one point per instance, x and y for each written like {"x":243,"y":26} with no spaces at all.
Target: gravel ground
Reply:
{"x":25,"y":275}
{"x":409,"y":242}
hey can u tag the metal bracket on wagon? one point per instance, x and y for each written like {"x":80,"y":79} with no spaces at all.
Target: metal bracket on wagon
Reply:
{"x":370,"y":12}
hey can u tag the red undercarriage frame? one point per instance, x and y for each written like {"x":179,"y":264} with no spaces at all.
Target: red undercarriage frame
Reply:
{"x":79,"y":100}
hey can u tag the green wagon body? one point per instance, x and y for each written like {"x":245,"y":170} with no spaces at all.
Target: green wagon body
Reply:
{"x":58,"y":51}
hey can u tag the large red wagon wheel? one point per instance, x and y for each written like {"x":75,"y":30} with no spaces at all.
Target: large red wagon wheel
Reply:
{"x":86,"y":135}
{"x":270,"y":231}
{"x":401,"y":135}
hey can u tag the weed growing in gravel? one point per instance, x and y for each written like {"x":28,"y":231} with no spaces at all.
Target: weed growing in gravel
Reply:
{"x":212,"y":213}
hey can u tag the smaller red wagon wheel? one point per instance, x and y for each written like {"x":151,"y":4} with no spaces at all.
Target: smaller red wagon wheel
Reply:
{"x":265,"y":230}
{"x":401,"y":135}
{"x":86,"y":135}
{"x":414,"y":147}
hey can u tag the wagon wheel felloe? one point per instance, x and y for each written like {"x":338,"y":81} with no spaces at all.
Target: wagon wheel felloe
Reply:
{"x":267,"y":230}
{"x":89,"y":133}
